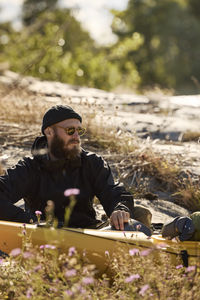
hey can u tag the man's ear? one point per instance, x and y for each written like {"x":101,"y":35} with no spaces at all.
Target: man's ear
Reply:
{"x":48,"y":131}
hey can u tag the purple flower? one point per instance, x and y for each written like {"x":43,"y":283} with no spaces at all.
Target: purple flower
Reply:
{"x":37,"y":268}
{"x":88,"y":280}
{"x":15,"y":252}
{"x":179,"y":266}
{"x":190,"y":269}
{"x":82,"y":290}
{"x":133,"y":251}
{"x":71,"y":192}
{"x":138,"y":227}
{"x":27,"y":254}
{"x":107,"y":253}
{"x":70,"y":273}
{"x":28,"y":272}
{"x":132,"y":277}
{"x":29,"y":293}
{"x":1,"y":261}
{"x":24,"y":229}
{"x":143,"y":289}
{"x":161,"y":246}
{"x":38,"y":213}
{"x":53,"y":289}
{"x":68,"y":292}
{"x":145,"y":252}
{"x":71,"y":251}
{"x":47,"y":246}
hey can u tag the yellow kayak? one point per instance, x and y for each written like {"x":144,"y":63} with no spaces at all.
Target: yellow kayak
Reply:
{"x":95,"y":243}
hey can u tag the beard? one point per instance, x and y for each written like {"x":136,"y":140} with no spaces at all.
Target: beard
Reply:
{"x":59,"y":149}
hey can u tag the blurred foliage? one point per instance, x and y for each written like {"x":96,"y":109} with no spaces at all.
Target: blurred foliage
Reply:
{"x":158,"y":44}
{"x":33,"y":8}
{"x":167,"y":35}
{"x":194,"y":6}
{"x":55,"y":47}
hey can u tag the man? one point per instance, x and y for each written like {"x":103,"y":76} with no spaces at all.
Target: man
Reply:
{"x":59,"y":163}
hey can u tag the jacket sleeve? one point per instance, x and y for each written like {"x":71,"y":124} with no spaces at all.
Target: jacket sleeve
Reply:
{"x":14,"y":185}
{"x":112,"y":196}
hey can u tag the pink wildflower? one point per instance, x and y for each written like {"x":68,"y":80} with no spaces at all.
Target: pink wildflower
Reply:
{"x":179,"y":266}
{"x":27,"y":254}
{"x":88,"y":280}
{"x":71,"y":192}
{"x":15,"y":252}
{"x":53,"y":289}
{"x":38,"y":213}
{"x":68,"y":292}
{"x":70,"y":273}
{"x":37,"y":268}
{"x":24,"y":229}
{"x":1,"y":261}
{"x":190,"y":269}
{"x":71,"y":251}
{"x":107,"y":253}
{"x":132,"y":277}
{"x":82,"y":290}
{"x":133,"y":251}
{"x":138,"y":227}
{"x":143,"y":289}
{"x":47,"y":246}
{"x":161,"y":246}
{"x":145,"y":252}
{"x":29,"y":293}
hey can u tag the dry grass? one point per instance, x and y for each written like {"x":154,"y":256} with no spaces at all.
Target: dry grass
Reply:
{"x":1,"y":170}
{"x":191,"y":136}
{"x":188,"y":193}
{"x":20,"y":107}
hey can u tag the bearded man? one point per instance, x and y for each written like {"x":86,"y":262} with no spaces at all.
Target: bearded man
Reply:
{"x":59,"y":163}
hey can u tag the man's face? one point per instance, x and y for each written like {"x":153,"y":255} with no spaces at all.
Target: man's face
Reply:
{"x":63,"y":145}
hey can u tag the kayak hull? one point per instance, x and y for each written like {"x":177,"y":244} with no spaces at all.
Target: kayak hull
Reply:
{"x":96,"y":244}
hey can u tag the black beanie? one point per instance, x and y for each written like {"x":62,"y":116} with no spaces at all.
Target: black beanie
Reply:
{"x":57,"y":114}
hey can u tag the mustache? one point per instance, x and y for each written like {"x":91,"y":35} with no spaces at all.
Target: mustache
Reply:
{"x":74,"y":140}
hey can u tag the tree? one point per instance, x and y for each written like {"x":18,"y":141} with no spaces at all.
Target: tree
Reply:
{"x":194,"y":5}
{"x":55,"y":47}
{"x":170,"y":44}
{"x":33,"y":8}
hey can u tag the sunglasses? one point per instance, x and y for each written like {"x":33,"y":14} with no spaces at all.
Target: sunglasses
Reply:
{"x":71,"y":130}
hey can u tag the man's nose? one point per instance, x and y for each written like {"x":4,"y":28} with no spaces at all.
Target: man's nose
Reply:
{"x":76,"y":133}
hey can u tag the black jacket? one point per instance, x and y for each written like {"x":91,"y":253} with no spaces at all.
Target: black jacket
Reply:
{"x":38,"y":179}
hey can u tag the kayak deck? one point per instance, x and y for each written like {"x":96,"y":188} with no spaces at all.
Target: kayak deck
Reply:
{"x":96,"y":243}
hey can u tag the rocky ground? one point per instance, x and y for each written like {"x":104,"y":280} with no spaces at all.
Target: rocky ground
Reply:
{"x":161,"y":123}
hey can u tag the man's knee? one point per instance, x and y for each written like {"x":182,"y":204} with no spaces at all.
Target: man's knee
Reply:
{"x":143,"y":215}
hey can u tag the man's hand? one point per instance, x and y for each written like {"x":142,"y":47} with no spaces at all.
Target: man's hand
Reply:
{"x":118,"y":218}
